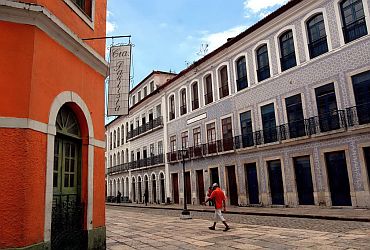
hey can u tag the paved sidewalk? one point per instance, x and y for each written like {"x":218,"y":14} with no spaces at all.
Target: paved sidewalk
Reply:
{"x":345,"y":214}
{"x":138,"y":228}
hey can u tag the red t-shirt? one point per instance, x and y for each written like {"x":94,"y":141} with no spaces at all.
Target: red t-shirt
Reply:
{"x":219,"y":196}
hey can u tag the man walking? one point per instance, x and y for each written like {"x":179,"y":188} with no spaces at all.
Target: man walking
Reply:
{"x":219,"y":199}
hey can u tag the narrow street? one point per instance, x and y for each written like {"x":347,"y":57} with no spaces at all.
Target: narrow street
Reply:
{"x":141,"y":228}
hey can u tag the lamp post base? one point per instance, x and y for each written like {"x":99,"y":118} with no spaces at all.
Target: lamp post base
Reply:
{"x":185,"y":215}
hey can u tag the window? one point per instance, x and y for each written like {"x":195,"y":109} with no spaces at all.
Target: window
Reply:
{"x":353,"y":18}
{"x":196,"y":137}
{"x":110,"y":161}
{"x":151,"y":149}
{"x":159,"y":110}
{"x":295,"y":116}
{"x":361,"y":89}
{"x":241,"y":70}
{"x":133,"y":100}
{"x":143,"y":120}
{"x":173,"y":143}
{"x":172,"y":107}
{"x":118,"y":158}
{"x":85,"y":6}
{"x":110,"y":141}
{"x":123,"y":135}
{"x":269,"y":123}
{"x":145,"y":153}
{"x":224,"y":88}
{"x":327,"y":107}
{"x":183,"y":109}
{"x":145,"y":91}
{"x":211,"y":137}
{"x":288,"y":59}
{"x":247,"y":130}
{"x":123,"y":157}
{"x":114,"y":138}
{"x":139,"y":96}
{"x":263,"y":68}
{"x":195,"y":96}
{"x":151,"y":86}
{"x":160,"y":147}
{"x":137,"y":123}
{"x":227,"y":134}
{"x":114,"y":160}
{"x":118,"y":137}
{"x":317,"y":41}
{"x":132,"y":156}
{"x":208,"y":89}
{"x":184,"y":139}
{"x":211,"y":132}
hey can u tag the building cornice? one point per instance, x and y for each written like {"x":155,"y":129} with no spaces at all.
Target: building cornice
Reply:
{"x":42,"y":18}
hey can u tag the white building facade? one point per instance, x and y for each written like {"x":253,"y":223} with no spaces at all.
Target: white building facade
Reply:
{"x":279,"y":115}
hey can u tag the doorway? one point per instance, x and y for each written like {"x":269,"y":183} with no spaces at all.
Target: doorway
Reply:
{"x":232,"y":186}
{"x":188,"y":187}
{"x":338,"y":178}
{"x":303,"y":177}
{"x":67,"y":207}
{"x":200,"y":186}
{"x":163,"y":196}
{"x":276,"y":182}
{"x":214,"y":176}
{"x":367,"y":161}
{"x":175,"y":188}
{"x":154,"y":189}
{"x":252,"y":183}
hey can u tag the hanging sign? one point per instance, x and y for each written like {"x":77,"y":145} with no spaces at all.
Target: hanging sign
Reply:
{"x":119,"y":80}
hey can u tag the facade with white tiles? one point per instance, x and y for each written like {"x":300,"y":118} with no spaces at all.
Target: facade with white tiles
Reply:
{"x":279,"y":115}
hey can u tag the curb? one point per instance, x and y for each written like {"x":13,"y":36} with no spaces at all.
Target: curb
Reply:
{"x":306,"y":216}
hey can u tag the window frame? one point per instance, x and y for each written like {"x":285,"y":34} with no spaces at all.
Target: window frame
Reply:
{"x":90,"y":21}
{"x":255,"y":48}
{"x":235,"y":63}
{"x":204,"y":82}
{"x":219,"y":83}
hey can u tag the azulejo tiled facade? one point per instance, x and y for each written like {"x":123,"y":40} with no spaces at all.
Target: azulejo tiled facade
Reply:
{"x":278,"y":115}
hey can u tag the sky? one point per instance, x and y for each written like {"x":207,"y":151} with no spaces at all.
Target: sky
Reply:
{"x":170,"y":35}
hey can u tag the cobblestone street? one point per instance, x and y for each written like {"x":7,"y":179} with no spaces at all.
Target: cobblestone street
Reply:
{"x":141,"y":228}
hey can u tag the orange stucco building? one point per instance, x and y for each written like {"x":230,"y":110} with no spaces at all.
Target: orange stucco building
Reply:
{"x":52,"y":124}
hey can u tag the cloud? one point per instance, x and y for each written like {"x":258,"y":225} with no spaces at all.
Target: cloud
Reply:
{"x":258,"y":5}
{"x":110,"y":25}
{"x":215,"y":40}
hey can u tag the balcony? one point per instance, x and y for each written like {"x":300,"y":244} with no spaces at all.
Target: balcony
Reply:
{"x":335,"y":121}
{"x":224,"y":90}
{"x":208,"y":98}
{"x":147,"y":162}
{"x":318,"y":47}
{"x":146,"y":128}
{"x":263,"y":73}
{"x":288,"y":61}
{"x":355,"y":30}
{"x":241,"y":83}
{"x":183,"y":110}
{"x":195,"y":104}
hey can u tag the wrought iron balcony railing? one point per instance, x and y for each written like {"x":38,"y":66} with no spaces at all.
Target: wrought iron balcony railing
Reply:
{"x":208,"y":98}
{"x":241,"y":83}
{"x":333,"y":121}
{"x":263,"y":73}
{"x":318,"y":47}
{"x":146,"y":162}
{"x":355,"y":30}
{"x":224,"y":90}
{"x":288,"y":61}
{"x":150,"y":125}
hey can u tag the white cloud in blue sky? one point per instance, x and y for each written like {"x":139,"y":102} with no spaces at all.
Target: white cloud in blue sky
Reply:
{"x":168,"y":35}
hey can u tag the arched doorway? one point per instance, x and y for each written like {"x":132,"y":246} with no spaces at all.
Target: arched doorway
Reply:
{"x":139,"y":191}
{"x":67,"y":206}
{"x":133,"y":190}
{"x":146,"y":189}
{"x":162,"y":188}
{"x":154,"y":189}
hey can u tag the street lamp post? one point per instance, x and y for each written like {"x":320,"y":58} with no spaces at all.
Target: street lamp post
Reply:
{"x":185,"y":214}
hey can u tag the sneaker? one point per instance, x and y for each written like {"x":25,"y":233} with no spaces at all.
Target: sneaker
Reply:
{"x":226,"y":229}
{"x":211,"y":228}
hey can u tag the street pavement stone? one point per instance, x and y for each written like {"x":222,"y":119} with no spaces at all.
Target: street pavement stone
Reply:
{"x":135,"y":228}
